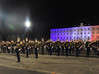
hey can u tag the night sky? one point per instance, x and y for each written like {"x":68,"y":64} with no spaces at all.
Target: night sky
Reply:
{"x":46,"y":14}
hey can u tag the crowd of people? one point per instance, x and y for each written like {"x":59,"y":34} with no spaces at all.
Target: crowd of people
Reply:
{"x":29,"y":47}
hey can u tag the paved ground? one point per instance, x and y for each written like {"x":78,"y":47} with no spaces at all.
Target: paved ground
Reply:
{"x":7,"y":70}
{"x":48,"y":64}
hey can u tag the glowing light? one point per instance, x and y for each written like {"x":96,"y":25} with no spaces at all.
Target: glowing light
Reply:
{"x":18,"y":39}
{"x":36,"y":40}
{"x":42,"y":39}
{"x":26,"y":39}
{"x":27,"y":23}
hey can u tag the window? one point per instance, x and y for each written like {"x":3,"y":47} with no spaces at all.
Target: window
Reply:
{"x":93,"y":36}
{"x":70,"y":30}
{"x":85,"y":29}
{"x":58,"y":37}
{"x":78,"y":30}
{"x":93,"y":32}
{"x":97,"y":28}
{"x":88,"y":28}
{"x":81,"y":29}
{"x":97,"y":32}
{"x":97,"y":37}
{"x":93,"y":28}
{"x":88,"y":38}
{"x":74,"y":37}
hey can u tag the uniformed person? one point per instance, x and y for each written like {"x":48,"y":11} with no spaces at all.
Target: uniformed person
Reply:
{"x":77,"y":50}
{"x":17,"y":50}
{"x":62,"y":50}
{"x":27,"y":51}
{"x":36,"y":52}
{"x":88,"y":51}
{"x":66,"y":49}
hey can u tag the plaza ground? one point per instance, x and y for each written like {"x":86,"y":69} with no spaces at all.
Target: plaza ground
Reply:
{"x":47,"y":64}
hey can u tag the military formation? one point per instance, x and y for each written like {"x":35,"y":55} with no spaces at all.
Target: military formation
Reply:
{"x":30,"y":47}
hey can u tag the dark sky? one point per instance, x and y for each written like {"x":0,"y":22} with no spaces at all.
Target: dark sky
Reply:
{"x":53,"y":12}
{"x":46,"y":14}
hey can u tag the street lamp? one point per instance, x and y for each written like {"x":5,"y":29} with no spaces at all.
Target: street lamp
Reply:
{"x":27,"y":26}
{"x":27,"y":23}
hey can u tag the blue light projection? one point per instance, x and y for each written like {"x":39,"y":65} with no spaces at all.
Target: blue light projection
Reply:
{"x":74,"y":33}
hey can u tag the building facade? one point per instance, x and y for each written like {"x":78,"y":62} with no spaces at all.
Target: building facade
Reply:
{"x":85,"y":33}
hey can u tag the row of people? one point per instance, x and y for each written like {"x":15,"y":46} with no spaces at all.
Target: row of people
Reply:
{"x":49,"y":47}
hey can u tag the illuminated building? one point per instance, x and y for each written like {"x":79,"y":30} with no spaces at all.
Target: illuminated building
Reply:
{"x":85,"y":33}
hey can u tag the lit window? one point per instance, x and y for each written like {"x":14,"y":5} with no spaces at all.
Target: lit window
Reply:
{"x":88,"y":38}
{"x":97,"y":28}
{"x":93,"y":28}
{"x":93,"y":32}
{"x":97,"y":37}
{"x":88,"y":28}
{"x":97,"y":32}
{"x":81,"y":29}
{"x":58,"y":37}
{"x":85,"y":29}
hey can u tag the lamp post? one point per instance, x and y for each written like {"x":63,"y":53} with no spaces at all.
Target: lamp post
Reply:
{"x":27,"y":27}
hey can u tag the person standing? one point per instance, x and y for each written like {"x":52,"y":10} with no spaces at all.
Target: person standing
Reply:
{"x":42,"y":49}
{"x":77,"y":50}
{"x":66,"y":49}
{"x":58,"y":50}
{"x":51,"y":50}
{"x":62,"y":50}
{"x":88,"y":51}
{"x":17,"y":50}
{"x":36,"y":52}
{"x":27,"y":51}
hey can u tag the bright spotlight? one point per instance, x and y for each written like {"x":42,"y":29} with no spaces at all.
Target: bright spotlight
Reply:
{"x":27,"y":23}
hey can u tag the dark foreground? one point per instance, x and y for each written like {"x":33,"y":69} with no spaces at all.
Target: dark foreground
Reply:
{"x":6,"y":70}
